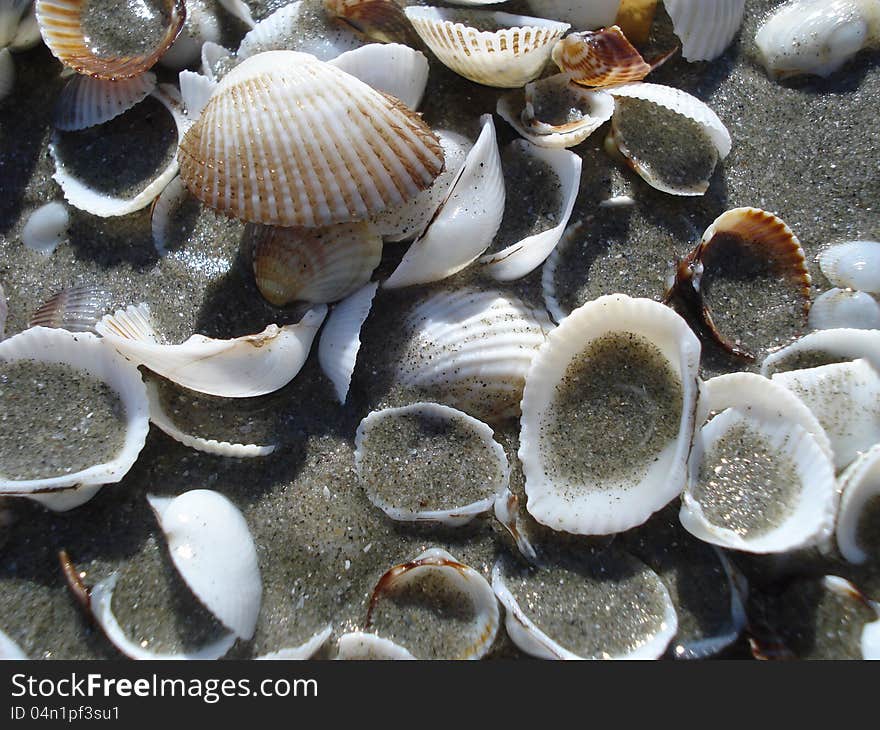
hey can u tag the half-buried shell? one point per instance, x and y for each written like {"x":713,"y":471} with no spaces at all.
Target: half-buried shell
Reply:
{"x":359,"y":646}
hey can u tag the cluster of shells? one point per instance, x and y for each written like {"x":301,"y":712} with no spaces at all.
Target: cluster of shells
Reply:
{"x":315,"y":141}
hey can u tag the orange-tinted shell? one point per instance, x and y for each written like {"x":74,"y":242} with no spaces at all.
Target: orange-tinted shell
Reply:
{"x":635,"y":18}
{"x":380,"y":20}
{"x":600,"y":58}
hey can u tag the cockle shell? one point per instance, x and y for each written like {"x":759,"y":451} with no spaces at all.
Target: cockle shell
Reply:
{"x":824,"y":347}
{"x":212,"y":549}
{"x":853,"y":265}
{"x":845,"y":308}
{"x":76,"y":309}
{"x":359,"y":646}
{"x":237,"y":368}
{"x":513,"y":53}
{"x":315,"y":265}
{"x":391,"y":68}
{"x":600,"y":58}
{"x":46,"y":227}
{"x":859,"y":486}
{"x":705,"y":29}
{"x":86,"y":101}
{"x":381,"y":156}
{"x":380,"y":20}
{"x":816,"y":36}
{"x":61,"y":26}
{"x":623,"y":471}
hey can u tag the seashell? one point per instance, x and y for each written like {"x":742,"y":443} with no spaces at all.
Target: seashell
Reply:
{"x":212,"y":549}
{"x":46,"y":227}
{"x":216,"y":60}
{"x":845,"y":398}
{"x":837,"y":308}
{"x":816,"y":36}
{"x":509,"y":516}
{"x":202,"y":24}
{"x":79,"y":193}
{"x":825,"y":347}
{"x":358,"y":646}
{"x":65,"y":499}
{"x":284,"y":30}
{"x":27,"y":35}
{"x":391,"y":68}
{"x":340,"y":340}
{"x":853,"y":265}
{"x":315,"y":265}
{"x":396,"y":457}
{"x":757,"y":238}
{"x":586,"y":15}
{"x":608,"y":606}
{"x":240,"y":10}
{"x":76,"y":309}
{"x":471,"y":350}
{"x":636,"y":18}
{"x":305,"y":651}
{"x":379,"y":20}
{"x":100,"y":609}
{"x":859,"y":486}
{"x":466,"y":221}
{"x":385,"y":150}
{"x":548,"y":272}
{"x":463,"y":585}
{"x":412,"y":218}
{"x":85,"y":101}
{"x":11,"y":14}
{"x":705,"y":29}
{"x":88,"y":355}
{"x":169,"y":201}
{"x":79,"y":43}
{"x":556,"y":113}
{"x":600,"y":58}
{"x":521,"y":258}
{"x":195,"y":91}
{"x":160,"y":418}
{"x":758,"y":486}
{"x":608,"y":416}
{"x":9,"y":649}
{"x":241,"y":367}
{"x":490,"y":48}
{"x":7,"y":73}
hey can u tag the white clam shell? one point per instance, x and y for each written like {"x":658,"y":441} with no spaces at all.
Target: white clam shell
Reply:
{"x":808,"y":521}
{"x":466,"y":221}
{"x":600,"y":507}
{"x":582,"y":14}
{"x":87,"y":353}
{"x":81,"y":196}
{"x":388,"y":67}
{"x":212,"y":549}
{"x":834,"y":344}
{"x":507,"y":58}
{"x":360,"y":646}
{"x":85,"y":101}
{"x":162,"y":421}
{"x":100,"y":606}
{"x":7,"y":73}
{"x":195,"y":91}
{"x":237,"y":368}
{"x":66,"y":499}
{"x":306,"y":650}
{"x":521,"y":258}
{"x":845,"y":398}
{"x":816,"y":36}
{"x":202,"y":25}
{"x":705,"y":29}
{"x":837,"y":308}
{"x":340,"y":339}
{"x":9,"y":649}
{"x":437,"y":415}
{"x":859,"y":485}
{"x":853,"y":265}
{"x":472,"y":350}
{"x":46,"y":227}
{"x":548,"y":272}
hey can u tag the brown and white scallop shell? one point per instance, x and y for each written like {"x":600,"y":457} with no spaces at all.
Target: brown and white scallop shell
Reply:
{"x":600,"y":58}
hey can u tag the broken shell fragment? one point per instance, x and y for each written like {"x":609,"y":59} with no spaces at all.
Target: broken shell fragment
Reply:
{"x":548,"y":272}
{"x":860,"y":489}
{"x":391,"y":68}
{"x":491,"y":48}
{"x":195,"y":91}
{"x":304,"y":651}
{"x":600,"y":58}
{"x":425,"y":588}
{"x":86,"y":101}
{"x":705,"y":29}
{"x":853,"y":265}
{"x":241,"y":367}
{"x":138,"y":36}
{"x":76,"y":309}
{"x":837,"y":308}
{"x":359,"y":646}
{"x":312,"y":145}
{"x":399,"y":460}
{"x":316,"y":265}
{"x":608,"y":416}
{"x":212,"y":549}
{"x":46,"y":227}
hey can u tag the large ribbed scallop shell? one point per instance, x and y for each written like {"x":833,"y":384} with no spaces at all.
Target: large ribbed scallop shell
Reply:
{"x":61,"y":26}
{"x":705,"y":28}
{"x":85,"y":101}
{"x":510,"y":55}
{"x":317,"y":265}
{"x":380,"y":20}
{"x":288,"y":140}
{"x":601,"y":58}
{"x":758,"y":235}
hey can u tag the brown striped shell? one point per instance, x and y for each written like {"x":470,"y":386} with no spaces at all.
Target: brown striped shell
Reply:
{"x":288,"y":140}
{"x":61,"y":24}
{"x":380,"y":20}
{"x":600,"y":58}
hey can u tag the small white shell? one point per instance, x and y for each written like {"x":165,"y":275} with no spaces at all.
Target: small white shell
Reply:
{"x":816,"y":36}
{"x":195,"y":91}
{"x":521,"y":258}
{"x":358,"y":646}
{"x":705,"y":29}
{"x":306,"y":650}
{"x":340,"y":340}
{"x":46,"y":227}
{"x":859,"y":484}
{"x":466,"y":222}
{"x":100,"y":607}
{"x":9,"y":649}
{"x":613,"y":503}
{"x":832,"y":345}
{"x":391,"y":68}
{"x":237,"y":368}
{"x":508,"y":57}
{"x":853,"y":265}
{"x":844,"y":308}
{"x":212,"y":549}
{"x":582,"y":14}
{"x":87,"y":353}
{"x":85,"y":101}
{"x":491,"y":481}
{"x":7,"y":73}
